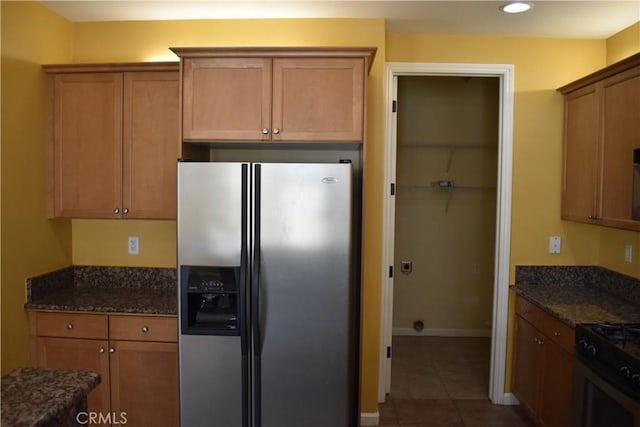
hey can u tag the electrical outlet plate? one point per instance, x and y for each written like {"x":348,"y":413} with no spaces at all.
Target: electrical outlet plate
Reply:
{"x":628,"y":253}
{"x":554,"y":244}
{"x":406,"y":267}
{"x":133,"y":245}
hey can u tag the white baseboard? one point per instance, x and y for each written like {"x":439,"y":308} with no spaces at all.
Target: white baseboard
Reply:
{"x":369,"y":418}
{"x":442,"y":332}
{"x":509,"y":399}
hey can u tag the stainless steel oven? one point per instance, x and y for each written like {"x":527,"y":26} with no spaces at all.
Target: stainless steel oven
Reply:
{"x":606,"y":377}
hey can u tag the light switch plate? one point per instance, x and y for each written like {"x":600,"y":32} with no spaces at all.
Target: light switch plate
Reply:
{"x":628,"y":253}
{"x":554,"y":244}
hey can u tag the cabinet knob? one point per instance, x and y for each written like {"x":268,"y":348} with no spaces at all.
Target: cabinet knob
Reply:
{"x":101,"y":350}
{"x":276,"y":131}
{"x":125,"y":211}
{"x":265,"y":131}
{"x":69,"y":326}
{"x":112,"y":350}
{"x":625,"y":371}
{"x":116,"y":211}
{"x":145,"y":329}
{"x":541,"y":342}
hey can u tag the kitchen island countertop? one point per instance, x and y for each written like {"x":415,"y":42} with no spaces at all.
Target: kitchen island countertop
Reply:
{"x":45,"y":397}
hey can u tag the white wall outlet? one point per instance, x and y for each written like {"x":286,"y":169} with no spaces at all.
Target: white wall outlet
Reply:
{"x":133,"y":245}
{"x":628,"y":253}
{"x":554,"y":244}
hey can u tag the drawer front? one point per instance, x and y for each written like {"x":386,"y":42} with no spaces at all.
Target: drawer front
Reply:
{"x":528,"y":311}
{"x":143,"y":328}
{"x":71,"y":325}
{"x":553,"y":328}
{"x":558,"y":331}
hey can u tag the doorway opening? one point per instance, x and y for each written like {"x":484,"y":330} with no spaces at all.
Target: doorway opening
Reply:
{"x":447,"y":214}
{"x":445,"y":205}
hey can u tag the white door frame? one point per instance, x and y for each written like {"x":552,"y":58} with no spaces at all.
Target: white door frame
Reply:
{"x":505,"y":72}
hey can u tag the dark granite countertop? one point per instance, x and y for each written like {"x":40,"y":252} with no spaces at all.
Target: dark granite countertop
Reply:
{"x":105,"y":289}
{"x":580,"y":294}
{"x":45,"y":397}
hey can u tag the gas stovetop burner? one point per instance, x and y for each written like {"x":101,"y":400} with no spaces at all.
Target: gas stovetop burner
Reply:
{"x":612,"y":350}
{"x":618,"y":333}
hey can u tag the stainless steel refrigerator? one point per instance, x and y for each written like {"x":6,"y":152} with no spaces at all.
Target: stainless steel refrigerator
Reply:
{"x":268,"y":295}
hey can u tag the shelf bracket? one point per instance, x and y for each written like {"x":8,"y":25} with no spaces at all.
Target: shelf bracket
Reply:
{"x":450,"y":159}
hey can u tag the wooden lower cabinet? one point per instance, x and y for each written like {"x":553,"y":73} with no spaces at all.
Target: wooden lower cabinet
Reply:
{"x":543,"y":354}
{"x":526,"y":374}
{"x":555,"y":390}
{"x":76,"y":353}
{"x":144,"y":382}
{"x":139,"y":374}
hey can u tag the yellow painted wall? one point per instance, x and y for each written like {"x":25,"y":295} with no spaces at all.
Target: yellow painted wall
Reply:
{"x":31,"y":244}
{"x":104,"y":242}
{"x":612,"y":244}
{"x":623,"y":44}
{"x":541,"y":66}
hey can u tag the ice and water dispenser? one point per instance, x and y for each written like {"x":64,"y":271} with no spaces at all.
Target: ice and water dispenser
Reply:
{"x":210,"y":299}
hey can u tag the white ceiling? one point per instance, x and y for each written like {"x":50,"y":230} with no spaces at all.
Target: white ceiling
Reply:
{"x":548,"y":18}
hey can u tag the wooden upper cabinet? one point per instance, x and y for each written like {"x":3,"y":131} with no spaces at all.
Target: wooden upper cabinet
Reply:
{"x":115,"y":139}
{"x":602,"y":128}
{"x":287,"y":94}
{"x":87,"y":140}
{"x":151,"y":144}
{"x":226,"y":99}
{"x":581,"y":154}
{"x":621,"y":134}
{"x":318,"y":99}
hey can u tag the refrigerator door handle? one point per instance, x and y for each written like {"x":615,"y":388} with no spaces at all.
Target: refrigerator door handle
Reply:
{"x":244,"y":295}
{"x":244,"y":264}
{"x":255,"y":301}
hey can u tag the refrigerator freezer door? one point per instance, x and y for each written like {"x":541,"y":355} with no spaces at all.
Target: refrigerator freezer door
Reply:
{"x":306,"y":297}
{"x":209,"y":213}
{"x":213,"y":367}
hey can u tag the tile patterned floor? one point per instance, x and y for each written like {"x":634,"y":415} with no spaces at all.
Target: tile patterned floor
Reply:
{"x":443,"y":381}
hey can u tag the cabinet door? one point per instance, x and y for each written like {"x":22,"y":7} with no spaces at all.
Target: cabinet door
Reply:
{"x":71,"y":353}
{"x":526,"y":371}
{"x":319,"y":99}
{"x":87,"y":144}
{"x":621,"y":132}
{"x":555,"y":403}
{"x":226,"y":99}
{"x":151,"y":144}
{"x":144,"y":382}
{"x":581,"y":145}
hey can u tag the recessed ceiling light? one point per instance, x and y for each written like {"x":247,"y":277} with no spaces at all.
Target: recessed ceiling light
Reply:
{"x":516,"y":6}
